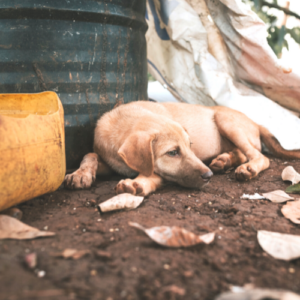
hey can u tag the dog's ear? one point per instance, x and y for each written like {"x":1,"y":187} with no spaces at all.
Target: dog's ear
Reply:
{"x":137,"y":152}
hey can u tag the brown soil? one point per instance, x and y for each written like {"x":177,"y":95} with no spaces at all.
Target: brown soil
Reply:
{"x":125,"y":264}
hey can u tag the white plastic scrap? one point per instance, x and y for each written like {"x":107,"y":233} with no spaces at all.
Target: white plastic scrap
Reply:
{"x":220,"y":62}
{"x":256,"y":196}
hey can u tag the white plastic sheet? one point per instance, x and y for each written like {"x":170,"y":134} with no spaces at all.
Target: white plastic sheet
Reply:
{"x":215,"y":52}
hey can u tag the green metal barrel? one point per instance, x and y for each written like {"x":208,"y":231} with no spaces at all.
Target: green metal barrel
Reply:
{"x":91,"y":53}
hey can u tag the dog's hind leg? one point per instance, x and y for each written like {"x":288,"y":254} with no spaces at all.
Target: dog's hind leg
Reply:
{"x":86,"y":174}
{"x":141,"y":185}
{"x":228,"y":160}
{"x":245,"y":135}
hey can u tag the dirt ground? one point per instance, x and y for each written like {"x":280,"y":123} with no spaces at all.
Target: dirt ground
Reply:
{"x":124,"y":263}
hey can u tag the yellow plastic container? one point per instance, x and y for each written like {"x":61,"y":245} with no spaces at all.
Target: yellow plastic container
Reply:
{"x":32,"y":146}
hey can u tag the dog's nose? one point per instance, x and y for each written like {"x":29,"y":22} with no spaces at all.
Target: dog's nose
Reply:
{"x":206,"y":176}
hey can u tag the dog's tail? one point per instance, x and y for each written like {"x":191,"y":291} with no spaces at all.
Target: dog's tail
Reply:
{"x":274,"y":146}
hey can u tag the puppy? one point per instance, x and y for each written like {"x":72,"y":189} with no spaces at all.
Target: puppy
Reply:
{"x":154,"y":142}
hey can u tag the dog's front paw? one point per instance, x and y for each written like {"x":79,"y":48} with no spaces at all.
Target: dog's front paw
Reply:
{"x":245,"y":172}
{"x":129,"y":186}
{"x":80,"y":179}
{"x":220,"y":164}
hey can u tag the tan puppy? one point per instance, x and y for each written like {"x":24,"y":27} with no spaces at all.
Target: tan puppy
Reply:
{"x":173,"y":141}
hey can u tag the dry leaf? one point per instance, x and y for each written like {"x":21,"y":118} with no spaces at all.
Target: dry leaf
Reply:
{"x":258,"y":294}
{"x":121,"y":201}
{"x":11,"y":228}
{"x":256,"y":196}
{"x":174,"y":236}
{"x":279,"y":245}
{"x":290,"y":174}
{"x":292,"y":211}
{"x":71,"y":253}
{"x":277,"y":196}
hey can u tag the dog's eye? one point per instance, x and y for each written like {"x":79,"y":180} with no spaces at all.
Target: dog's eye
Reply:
{"x":173,"y":153}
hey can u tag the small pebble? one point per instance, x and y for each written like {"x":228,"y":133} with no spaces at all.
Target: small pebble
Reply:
{"x":93,"y":273}
{"x":98,"y":220}
{"x":41,"y":274}
{"x":46,"y":228}
{"x":13,"y":212}
{"x":103,"y":254}
{"x":188,"y":274}
{"x":292,"y":270}
{"x":133,"y":269}
{"x":74,"y":208}
{"x":31,"y":260}
{"x":166,"y":267}
{"x":111,"y":230}
{"x":83,"y":230}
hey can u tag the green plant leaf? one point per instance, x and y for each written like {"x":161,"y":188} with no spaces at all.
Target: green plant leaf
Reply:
{"x":295,"y":34}
{"x":293,"y":189}
{"x":276,"y":36}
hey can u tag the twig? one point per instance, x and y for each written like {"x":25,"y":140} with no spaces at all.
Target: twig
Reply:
{"x":285,"y":10}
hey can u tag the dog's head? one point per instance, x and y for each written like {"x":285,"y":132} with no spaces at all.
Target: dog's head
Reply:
{"x":165,"y":151}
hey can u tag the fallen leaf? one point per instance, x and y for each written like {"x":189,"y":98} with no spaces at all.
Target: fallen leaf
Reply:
{"x":258,"y":294}
{"x":256,"y":196}
{"x":71,"y":253}
{"x":174,"y":236}
{"x":11,"y":228}
{"x":290,"y":174}
{"x":293,"y":189}
{"x":279,"y":245}
{"x":121,"y":201}
{"x":277,"y":196}
{"x":292,"y":211}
